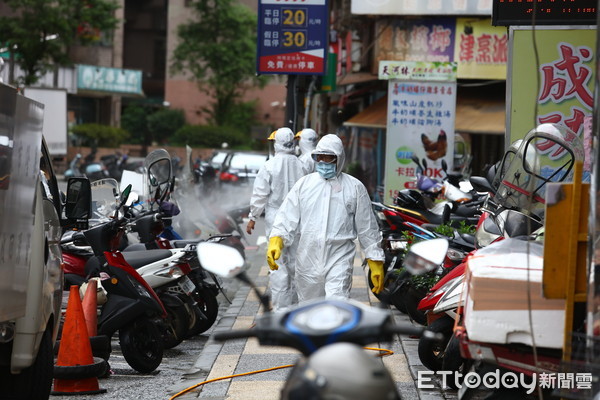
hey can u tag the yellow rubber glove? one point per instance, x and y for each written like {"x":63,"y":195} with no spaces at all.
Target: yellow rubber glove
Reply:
{"x":376,"y":268}
{"x":274,"y":251}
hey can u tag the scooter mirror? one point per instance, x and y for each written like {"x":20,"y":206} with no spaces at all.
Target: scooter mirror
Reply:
{"x":425,"y":256}
{"x":424,"y":166}
{"x":219,"y":259}
{"x":444,"y":166}
{"x":415,"y":159}
{"x":125,"y":195}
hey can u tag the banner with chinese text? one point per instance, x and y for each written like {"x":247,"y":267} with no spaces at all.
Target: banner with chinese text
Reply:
{"x":481,"y":49}
{"x":417,"y":71}
{"x":566,"y":81}
{"x":420,"y":121}
{"x":292,"y":37}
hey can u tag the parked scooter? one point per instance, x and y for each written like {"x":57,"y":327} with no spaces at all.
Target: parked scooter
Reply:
{"x":329,"y":334}
{"x":132,"y":307}
{"x":499,"y":267}
{"x":78,"y":254}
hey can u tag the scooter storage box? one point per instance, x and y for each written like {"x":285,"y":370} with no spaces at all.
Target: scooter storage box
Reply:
{"x":496,"y":303}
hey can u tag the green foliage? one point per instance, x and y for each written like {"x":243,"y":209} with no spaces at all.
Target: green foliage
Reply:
{"x":445,"y":229}
{"x":95,"y":134}
{"x":448,"y":230}
{"x":164,"y":123}
{"x":241,"y":116}
{"x":465,"y":228}
{"x":218,"y":48}
{"x":208,"y":136}
{"x":134,"y":120}
{"x":421,"y":282}
{"x":424,"y":282}
{"x":41,"y":31}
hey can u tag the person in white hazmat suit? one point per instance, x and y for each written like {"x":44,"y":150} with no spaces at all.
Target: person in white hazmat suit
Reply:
{"x":273,"y":181}
{"x":326,"y":211}
{"x":307,"y":141}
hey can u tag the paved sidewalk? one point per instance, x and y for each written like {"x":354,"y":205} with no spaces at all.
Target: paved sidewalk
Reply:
{"x":245,"y":355}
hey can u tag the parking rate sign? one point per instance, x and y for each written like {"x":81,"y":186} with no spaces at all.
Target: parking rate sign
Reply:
{"x":292,"y":37}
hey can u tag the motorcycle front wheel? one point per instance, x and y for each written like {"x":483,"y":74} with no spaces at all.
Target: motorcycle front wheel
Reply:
{"x":208,"y":304}
{"x":142,"y":345}
{"x":432,"y":352}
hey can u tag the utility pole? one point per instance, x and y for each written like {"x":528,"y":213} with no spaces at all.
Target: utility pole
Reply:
{"x":291,"y":107}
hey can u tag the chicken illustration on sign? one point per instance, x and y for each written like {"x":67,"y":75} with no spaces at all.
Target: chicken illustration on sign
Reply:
{"x":435,"y":150}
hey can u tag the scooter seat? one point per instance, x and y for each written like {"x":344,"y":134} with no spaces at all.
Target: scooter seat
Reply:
{"x":138,"y":259}
{"x":180,"y":244}
{"x":468,"y":238}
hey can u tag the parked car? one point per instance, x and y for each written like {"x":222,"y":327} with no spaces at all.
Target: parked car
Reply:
{"x":216,"y":161}
{"x":241,"y":167}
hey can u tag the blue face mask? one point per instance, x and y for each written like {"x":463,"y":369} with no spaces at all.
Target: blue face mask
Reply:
{"x":326,"y":170}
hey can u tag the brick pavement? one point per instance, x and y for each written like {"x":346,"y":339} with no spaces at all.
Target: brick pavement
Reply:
{"x":245,"y":355}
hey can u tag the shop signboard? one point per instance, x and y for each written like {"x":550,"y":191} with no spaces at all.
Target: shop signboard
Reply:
{"x":556,"y":87}
{"x":110,"y":80}
{"x":292,"y":37}
{"x":481,"y":49}
{"x":420,"y":121}
{"x":422,"y":7}
{"x":428,"y":39}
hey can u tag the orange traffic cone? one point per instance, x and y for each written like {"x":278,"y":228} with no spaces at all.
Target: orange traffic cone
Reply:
{"x":90,"y":305}
{"x":76,"y":370}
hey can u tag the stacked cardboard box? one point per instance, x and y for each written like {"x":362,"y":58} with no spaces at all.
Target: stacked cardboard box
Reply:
{"x":497,"y":303}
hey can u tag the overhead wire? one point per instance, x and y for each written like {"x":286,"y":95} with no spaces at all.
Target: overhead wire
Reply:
{"x":530,"y":198}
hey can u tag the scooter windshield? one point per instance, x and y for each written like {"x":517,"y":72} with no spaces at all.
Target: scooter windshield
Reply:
{"x":105,"y":199}
{"x":547,"y":154}
{"x":158,"y":170}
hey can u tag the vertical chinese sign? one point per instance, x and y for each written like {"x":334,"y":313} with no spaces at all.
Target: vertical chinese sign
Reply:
{"x":292,"y":37}
{"x":420,"y":120}
{"x":565,"y":74}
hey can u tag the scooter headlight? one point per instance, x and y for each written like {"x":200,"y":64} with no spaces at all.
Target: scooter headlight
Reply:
{"x":173,"y":272}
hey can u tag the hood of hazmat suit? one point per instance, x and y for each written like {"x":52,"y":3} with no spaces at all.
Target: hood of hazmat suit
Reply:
{"x":284,"y":141}
{"x":327,"y":215}
{"x":275,"y":178}
{"x":307,"y":143}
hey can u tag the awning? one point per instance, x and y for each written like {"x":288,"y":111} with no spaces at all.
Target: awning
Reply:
{"x":478,"y":115}
{"x":356,"y":77}
{"x":374,"y":116}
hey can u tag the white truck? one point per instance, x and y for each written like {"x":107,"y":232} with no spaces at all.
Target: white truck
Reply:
{"x":31,"y":276}
{"x":55,"y":118}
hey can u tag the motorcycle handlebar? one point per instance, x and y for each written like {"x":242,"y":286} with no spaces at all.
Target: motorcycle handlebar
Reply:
{"x":237,"y":334}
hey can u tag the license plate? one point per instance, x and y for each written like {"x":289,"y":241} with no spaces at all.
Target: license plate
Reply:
{"x":398,"y":244}
{"x":186,"y":285}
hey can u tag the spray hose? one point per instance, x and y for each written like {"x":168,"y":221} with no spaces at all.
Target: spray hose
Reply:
{"x":382,"y":353}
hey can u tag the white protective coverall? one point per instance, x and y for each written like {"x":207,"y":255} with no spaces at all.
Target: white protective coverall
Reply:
{"x":326,"y":216}
{"x":273,"y":181}
{"x":307,"y":143}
